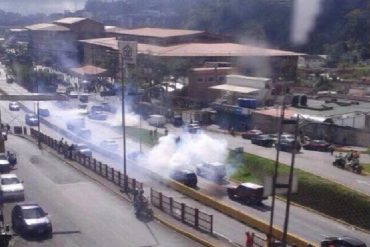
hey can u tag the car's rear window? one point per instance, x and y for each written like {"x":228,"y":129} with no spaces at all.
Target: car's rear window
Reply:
{"x":7,"y":181}
{"x":33,"y":213}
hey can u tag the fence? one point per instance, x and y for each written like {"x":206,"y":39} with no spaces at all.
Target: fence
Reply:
{"x":98,"y":167}
{"x":182,"y":212}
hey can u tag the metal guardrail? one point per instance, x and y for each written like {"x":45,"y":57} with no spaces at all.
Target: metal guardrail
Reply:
{"x":96,"y":166}
{"x":181,"y":212}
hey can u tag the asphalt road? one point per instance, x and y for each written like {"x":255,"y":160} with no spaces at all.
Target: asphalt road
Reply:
{"x":83,"y":213}
{"x":302,"y":222}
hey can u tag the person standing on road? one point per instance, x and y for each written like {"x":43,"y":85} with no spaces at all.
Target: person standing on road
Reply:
{"x":331,"y":149}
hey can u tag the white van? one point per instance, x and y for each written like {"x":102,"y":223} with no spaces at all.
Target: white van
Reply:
{"x":215,"y":171}
{"x":157,"y":120}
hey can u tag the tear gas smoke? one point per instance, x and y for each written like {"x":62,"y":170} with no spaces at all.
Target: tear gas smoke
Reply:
{"x":304,"y":16}
{"x":131,"y":118}
{"x":187,"y":153}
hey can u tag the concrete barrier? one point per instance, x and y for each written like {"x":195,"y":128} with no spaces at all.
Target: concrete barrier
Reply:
{"x":236,"y":214}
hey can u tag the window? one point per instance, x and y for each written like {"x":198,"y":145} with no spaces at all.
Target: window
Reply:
{"x":221,"y":78}
{"x":200,"y":79}
{"x":210,"y":78}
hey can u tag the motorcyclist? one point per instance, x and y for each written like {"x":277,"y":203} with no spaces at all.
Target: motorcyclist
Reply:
{"x":140,"y":202}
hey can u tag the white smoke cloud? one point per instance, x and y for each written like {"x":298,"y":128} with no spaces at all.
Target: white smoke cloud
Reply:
{"x":41,"y":6}
{"x":304,"y":16}
{"x":190,"y":151}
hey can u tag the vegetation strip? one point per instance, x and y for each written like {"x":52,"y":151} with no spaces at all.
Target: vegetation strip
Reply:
{"x":314,"y":192}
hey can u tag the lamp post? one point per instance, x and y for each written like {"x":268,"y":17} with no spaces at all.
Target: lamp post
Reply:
{"x":127,"y":53}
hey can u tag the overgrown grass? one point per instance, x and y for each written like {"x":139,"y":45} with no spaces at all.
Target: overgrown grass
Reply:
{"x":366,"y":167}
{"x":314,"y":192}
{"x":146,"y":138}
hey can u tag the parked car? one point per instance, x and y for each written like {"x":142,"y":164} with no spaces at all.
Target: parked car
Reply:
{"x":31,"y":119}
{"x":317,"y":145}
{"x":342,"y":242}
{"x":97,"y":115}
{"x":11,"y":188}
{"x":251,"y":133}
{"x":44,"y":112}
{"x":84,"y":98}
{"x":4,"y":163}
{"x":284,"y":136}
{"x":214,"y":170}
{"x":185,"y":176}
{"x":104,"y":107}
{"x":31,"y":219}
{"x":263,"y":140}
{"x":248,"y":193}
{"x":157,"y":120}
{"x":109,"y":144}
{"x":14,"y":106}
{"x":83,"y":149}
{"x":82,"y":109}
{"x":288,"y":145}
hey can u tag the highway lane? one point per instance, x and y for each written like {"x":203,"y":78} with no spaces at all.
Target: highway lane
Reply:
{"x":317,"y":163}
{"x":83,"y":213}
{"x":303,"y":223}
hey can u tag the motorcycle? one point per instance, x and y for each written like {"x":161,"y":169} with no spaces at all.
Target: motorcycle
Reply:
{"x":352,"y":164}
{"x":142,"y":210}
{"x":12,"y":158}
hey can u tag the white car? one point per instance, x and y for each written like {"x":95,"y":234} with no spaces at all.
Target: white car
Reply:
{"x":14,"y":106}
{"x":82,"y":109}
{"x":11,"y":188}
{"x":4,"y":163}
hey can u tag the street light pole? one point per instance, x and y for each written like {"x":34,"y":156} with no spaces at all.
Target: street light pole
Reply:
{"x":123,"y":72}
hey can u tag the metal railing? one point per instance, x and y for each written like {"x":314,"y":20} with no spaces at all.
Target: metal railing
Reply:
{"x":96,"y":166}
{"x":180,"y":211}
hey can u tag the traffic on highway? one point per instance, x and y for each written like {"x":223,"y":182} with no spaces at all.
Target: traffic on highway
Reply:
{"x":209,"y":178}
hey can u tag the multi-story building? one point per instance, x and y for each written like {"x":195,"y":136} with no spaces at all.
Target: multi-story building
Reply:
{"x":57,"y":42}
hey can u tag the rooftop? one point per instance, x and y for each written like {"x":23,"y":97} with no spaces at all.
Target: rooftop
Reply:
{"x":197,"y":49}
{"x":69,"y":20}
{"x":155,"y":32}
{"x":337,"y":110}
{"x":47,"y":27}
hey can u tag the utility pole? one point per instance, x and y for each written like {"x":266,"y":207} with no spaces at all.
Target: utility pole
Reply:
{"x":275,"y":175}
{"x":127,"y":53}
{"x":291,"y":172}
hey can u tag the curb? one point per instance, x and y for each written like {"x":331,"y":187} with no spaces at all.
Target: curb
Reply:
{"x":121,"y":195}
{"x":185,"y":233}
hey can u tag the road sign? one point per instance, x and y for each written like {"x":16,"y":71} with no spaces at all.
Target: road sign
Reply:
{"x":282,"y":184}
{"x":128,"y":50}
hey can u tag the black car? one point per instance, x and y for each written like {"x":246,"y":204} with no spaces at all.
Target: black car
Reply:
{"x":263,"y":140}
{"x":31,"y":119}
{"x":30,"y":219}
{"x":288,"y":145}
{"x":342,"y":241}
{"x":185,"y":176}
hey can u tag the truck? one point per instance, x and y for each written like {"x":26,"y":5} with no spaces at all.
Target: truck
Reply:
{"x":247,"y":193}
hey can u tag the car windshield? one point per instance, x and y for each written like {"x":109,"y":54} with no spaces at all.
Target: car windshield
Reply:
{"x":3,"y":157}
{"x":8,"y":181}
{"x":33,"y":213}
